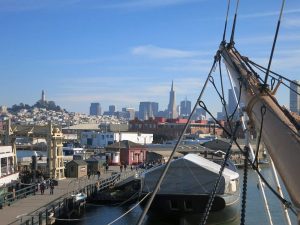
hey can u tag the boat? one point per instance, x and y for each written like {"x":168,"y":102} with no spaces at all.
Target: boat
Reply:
{"x":186,"y":188}
{"x":8,"y":172}
{"x":80,"y":197}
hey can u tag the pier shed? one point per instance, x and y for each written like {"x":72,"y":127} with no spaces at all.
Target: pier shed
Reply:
{"x":76,"y":168}
{"x":94,"y":164}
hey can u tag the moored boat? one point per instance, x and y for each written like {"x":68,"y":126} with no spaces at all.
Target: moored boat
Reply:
{"x":184,"y":193}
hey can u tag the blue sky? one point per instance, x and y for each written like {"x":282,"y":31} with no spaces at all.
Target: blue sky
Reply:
{"x":126,"y":51}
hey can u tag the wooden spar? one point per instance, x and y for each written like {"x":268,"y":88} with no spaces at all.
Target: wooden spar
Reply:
{"x":278,"y":133}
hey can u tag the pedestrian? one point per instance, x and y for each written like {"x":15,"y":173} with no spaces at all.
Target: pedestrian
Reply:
{"x":125,"y":167}
{"x":131,"y":167}
{"x":121,"y":168}
{"x":98,"y":174}
{"x":106,"y":167}
{"x":42,"y":188}
{"x":51,"y":187}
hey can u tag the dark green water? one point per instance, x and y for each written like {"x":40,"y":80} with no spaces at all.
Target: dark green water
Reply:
{"x":255,"y":212}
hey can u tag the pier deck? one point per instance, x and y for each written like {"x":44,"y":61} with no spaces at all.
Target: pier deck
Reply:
{"x":20,"y":209}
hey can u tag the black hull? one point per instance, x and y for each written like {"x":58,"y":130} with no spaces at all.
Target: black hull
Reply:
{"x":189,"y":209}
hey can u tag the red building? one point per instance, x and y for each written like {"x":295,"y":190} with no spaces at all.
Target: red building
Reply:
{"x":170,"y":129}
{"x":129,"y":153}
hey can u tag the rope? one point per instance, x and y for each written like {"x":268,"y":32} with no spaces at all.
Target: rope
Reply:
{"x":274,"y":44}
{"x":263,"y":69}
{"x":244,"y":193}
{"x":157,"y":186}
{"x":214,"y":191}
{"x":225,"y":27}
{"x":129,"y":209}
{"x":263,"y":112}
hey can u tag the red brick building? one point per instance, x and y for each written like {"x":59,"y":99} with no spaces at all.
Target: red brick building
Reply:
{"x":169,"y":129}
{"x":130,"y":153}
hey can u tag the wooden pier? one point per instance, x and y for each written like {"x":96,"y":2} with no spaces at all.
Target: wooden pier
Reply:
{"x":40,"y":209}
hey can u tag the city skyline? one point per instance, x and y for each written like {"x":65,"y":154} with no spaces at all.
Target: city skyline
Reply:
{"x":125,"y":52}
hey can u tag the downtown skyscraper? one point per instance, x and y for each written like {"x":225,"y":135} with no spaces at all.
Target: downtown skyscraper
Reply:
{"x":172,"y":112}
{"x":148,"y":110}
{"x":95,"y":109}
{"x":185,"y":108}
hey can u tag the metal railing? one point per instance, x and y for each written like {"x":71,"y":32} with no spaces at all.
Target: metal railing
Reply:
{"x":9,"y":198}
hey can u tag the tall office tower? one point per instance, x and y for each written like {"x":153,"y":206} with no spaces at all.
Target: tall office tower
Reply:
{"x":172,"y":112}
{"x":185,"y":108}
{"x":231,"y":104}
{"x":112,"y":109}
{"x":294,"y":97}
{"x":148,"y":110}
{"x":95,"y":109}
{"x":131,"y":113}
{"x":154,"y":106}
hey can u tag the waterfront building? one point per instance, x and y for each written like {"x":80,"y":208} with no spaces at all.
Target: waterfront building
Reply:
{"x":103,"y":139}
{"x":170,"y":129}
{"x":76,"y":169}
{"x":295,"y":97}
{"x":172,"y":112}
{"x":147,"y":110}
{"x":185,"y":108}
{"x":126,"y":152}
{"x":95,"y":109}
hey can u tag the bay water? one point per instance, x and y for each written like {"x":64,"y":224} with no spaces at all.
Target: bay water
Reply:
{"x":255,"y":210}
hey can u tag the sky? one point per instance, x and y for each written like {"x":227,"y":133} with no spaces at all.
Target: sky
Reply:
{"x":122,"y":52}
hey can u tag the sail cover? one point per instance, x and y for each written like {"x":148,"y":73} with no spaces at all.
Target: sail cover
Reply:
{"x":191,"y":174}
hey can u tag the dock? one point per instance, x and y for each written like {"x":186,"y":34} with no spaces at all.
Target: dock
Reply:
{"x":43,"y":209}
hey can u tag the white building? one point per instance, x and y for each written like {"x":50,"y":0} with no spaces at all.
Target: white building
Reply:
{"x":102,"y":139}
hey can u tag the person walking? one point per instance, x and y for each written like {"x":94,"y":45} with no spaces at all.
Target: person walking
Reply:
{"x":106,"y":167}
{"x":51,"y":187}
{"x":42,"y":188}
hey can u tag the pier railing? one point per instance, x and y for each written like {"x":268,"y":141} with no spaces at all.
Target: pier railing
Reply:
{"x":8,"y":198}
{"x":60,"y":206}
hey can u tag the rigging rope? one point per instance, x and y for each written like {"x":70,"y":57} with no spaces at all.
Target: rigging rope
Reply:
{"x":245,"y":179}
{"x":262,"y":112}
{"x":263,"y":69}
{"x":274,"y":44}
{"x":225,"y":27}
{"x":234,"y":23}
{"x":129,"y":209}
{"x":286,"y":203}
{"x":216,"y":185}
{"x":157,"y":186}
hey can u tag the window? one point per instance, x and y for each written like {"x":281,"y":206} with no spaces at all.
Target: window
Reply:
{"x":174,"y":205}
{"x":188,"y":206}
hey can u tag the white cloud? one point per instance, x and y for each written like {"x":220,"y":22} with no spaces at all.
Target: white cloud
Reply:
{"x":291,"y":22}
{"x":152,"y":51}
{"x":267,"y":14}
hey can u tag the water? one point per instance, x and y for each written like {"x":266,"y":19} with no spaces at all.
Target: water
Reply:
{"x":255,"y":213}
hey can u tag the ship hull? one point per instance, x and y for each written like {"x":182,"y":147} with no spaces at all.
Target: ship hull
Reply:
{"x":189,"y":209}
